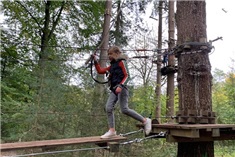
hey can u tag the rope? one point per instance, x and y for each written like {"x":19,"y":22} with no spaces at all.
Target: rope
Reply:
{"x":91,"y":59}
{"x":57,"y":152}
{"x":161,"y":134}
{"x":138,"y":140}
{"x":205,"y":47}
{"x":132,"y":132}
{"x":76,"y":47}
{"x":105,"y":35}
{"x":197,"y":94}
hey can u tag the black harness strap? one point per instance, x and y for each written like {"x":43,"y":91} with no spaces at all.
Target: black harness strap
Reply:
{"x":97,"y":81}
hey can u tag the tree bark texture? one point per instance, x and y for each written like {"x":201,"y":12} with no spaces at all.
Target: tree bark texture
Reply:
{"x":99,"y":96}
{"x":196,"y":149}
{"x":105,"y":34}
{"x":194,"y":76}
{"x":171,"y":63}
{"x":159,"y":76}
{"x":105,"y":40}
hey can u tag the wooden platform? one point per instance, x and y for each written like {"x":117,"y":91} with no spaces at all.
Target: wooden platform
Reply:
{"x":58,"y":142}
{"x":195,"y":132}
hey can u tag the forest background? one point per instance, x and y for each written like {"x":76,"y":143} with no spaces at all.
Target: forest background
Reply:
{"x":47,"y":92}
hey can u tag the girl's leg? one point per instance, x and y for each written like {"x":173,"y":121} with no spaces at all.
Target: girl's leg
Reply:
{"x":123,"y":99}
{"x":111,"y":121}
{"x":112,"y":100}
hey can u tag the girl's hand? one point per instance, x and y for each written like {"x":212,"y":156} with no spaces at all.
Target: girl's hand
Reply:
{"x":94,"y":57}
{"x":118,"y":90}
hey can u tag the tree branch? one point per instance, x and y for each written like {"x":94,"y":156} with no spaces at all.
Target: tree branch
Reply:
{"x":57,"y":19}
{"x":29,"y":13}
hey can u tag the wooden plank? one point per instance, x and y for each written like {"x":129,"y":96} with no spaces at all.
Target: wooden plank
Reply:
{"x":216,"y":132}
{"x":203,"y":138}
{"x":58,"y":142}
{"x":193,"y":126}
{"x":193,"y":133}
{"x":208,"y":127}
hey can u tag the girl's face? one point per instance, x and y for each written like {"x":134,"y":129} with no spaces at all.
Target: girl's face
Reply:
{"x":112,"y":55}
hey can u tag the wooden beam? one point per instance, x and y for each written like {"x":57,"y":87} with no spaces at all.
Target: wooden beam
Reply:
{"x":193,"y":126}
{"x":113,"y":146}
{"x":171,"y":138}
{"x":216,"y":132}
{"x":58,"y":142}
{"x":192,"y":133}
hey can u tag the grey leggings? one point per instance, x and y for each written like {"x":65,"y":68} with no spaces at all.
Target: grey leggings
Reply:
{"x":123,"y":100}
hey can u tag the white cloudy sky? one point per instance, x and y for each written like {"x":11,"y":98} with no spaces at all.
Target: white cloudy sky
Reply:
{"x":220,"y":23}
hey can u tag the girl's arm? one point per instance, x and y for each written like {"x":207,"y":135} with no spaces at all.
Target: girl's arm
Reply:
{"x":125,"y":71}
{"x":101,"y":70}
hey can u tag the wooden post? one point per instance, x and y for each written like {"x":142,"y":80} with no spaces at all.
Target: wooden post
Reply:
{"x":113,"y":146}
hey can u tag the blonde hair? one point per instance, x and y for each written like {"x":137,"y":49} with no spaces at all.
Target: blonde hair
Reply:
{"x":114,"y":49}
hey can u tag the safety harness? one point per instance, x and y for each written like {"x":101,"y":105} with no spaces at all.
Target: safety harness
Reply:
{"x":97,"y":81}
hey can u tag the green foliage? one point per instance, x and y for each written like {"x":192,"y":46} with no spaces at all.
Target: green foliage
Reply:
{"x":224,"y":148}
{"x":143,"y":100}
{"x":34,"y":92}
{"x":16,"y":92}
{"x":150,"y":148}
{"x":223,"y":96}
{"x":39,"y":99}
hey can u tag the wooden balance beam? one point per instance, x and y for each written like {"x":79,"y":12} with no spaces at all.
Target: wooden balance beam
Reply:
{"x":59,"y":142}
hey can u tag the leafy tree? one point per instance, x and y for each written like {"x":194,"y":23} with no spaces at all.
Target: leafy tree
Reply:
{"x":223,"y":96}
{"x":143,"y":100}
{"x":30,"y":46}
{"x":223,"y":104}
{"x":16,"y":92}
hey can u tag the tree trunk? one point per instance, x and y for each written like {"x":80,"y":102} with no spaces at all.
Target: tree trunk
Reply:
{"x":100,"y":93}
{"x":171,"y":64}
{"x":194,"y":76}
{"x":159,"y":76}
{"x":118,"y":22}
{"x":44,"y":72}
{"x":196,"y":149}
{"x":105,"y":34}
{"x":104,"y":42}
{"x":194,"y":69}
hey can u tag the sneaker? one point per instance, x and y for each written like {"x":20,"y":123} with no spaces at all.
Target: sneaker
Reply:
{"x":109,"y":134}
{"x":148,"y":126}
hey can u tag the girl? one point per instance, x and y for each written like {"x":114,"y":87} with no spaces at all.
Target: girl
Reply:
{"x":118,"y":78}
